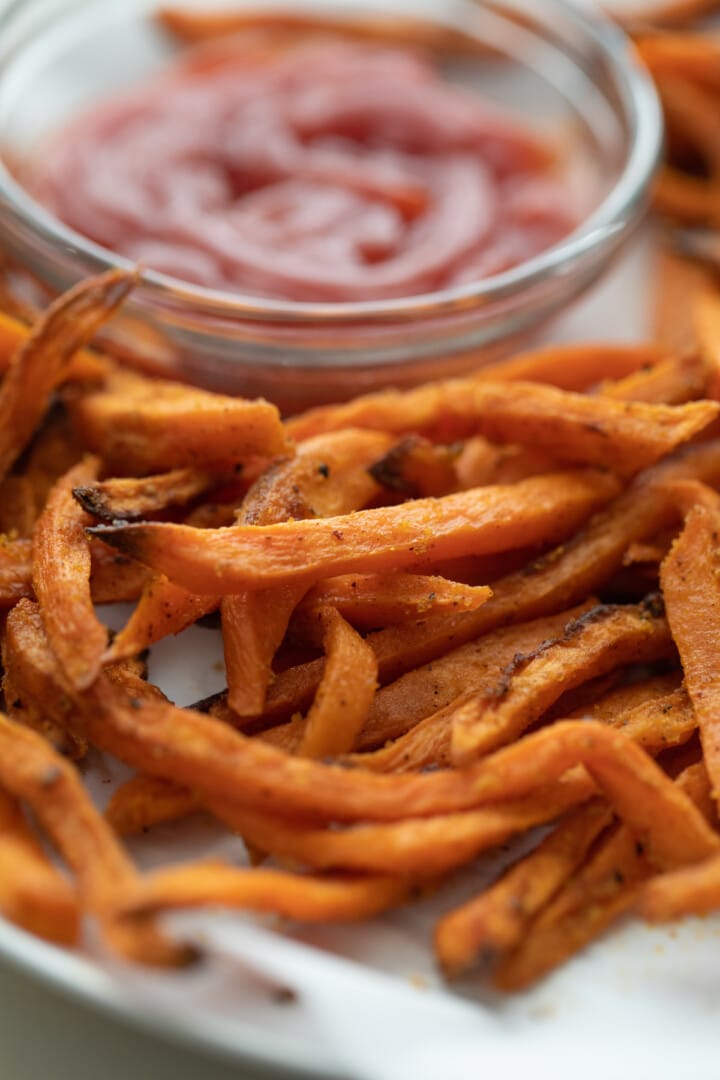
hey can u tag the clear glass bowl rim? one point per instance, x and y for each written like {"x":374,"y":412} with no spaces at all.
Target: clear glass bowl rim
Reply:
{"x":642,"y":113}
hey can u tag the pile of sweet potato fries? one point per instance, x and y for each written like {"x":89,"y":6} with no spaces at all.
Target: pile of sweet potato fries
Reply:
{"x":449,"y":615}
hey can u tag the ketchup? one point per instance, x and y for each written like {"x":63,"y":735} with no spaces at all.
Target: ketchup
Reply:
{"x":330,"y":170}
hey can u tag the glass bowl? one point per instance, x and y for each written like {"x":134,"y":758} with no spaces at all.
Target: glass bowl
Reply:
{"x":563,"y":71}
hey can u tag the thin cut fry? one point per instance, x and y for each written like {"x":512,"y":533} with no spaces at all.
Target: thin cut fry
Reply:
{"x":61,"y":580}
{"x":306,"y":898}
{"x":140,"y":426}
{"x":40,"y":362}
{"x":552,"y":583}
{"x":495,"y":921}
{"x":345,"y":693}
{"x":33,"y":892}
{"x":480,"y":521}
{"x":625,"y":436}
{"x":144,"y":801}
{"x":164,"y":608}
{"x":131,"y":498}
{"x":589,"y":646}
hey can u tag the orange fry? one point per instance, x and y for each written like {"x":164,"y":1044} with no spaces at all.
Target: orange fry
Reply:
{"x":562,"y":578}
{"x":372,"y":600}
{"x":495,"y":921}
{"x":295,"y":896}
{"x":142,"y":426}
{"x":588,"y":647}
{"x":480,"y":521}
{"x":625,"y":436}
{"x":41,"y":360}
{"x":61,"y":580}
{"x":163,"y":609}
{"x":131,"y":498}
{"x":691,"y":587}
{"x":144,"y":801}
{"x":345,"y":693}
{"x":33,"y":892}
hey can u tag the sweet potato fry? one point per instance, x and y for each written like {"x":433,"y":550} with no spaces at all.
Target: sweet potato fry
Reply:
{"x":371,"y":600}
{"x":303,"y":897}
{"x":17,"y":507}
{"x":144,"y":801}
{"x":706,"y":324}
{"x":554,"y":582}
{"x":128,"y":498}
{"x":41,"y":360}
{"x":23,"y":709}
{"x":33,"y":892}
{"x":588,"y":647}
{"x":484,"y":520}
{"x":672,"y":381}
{"x":114,"y":578}
{"x":345,"y":693}
{"x":328,"y":476}
{"x":416,"y":468}
{"x":141,"y":426}
{"x":15,"y":571}
{"x":606,"y":887}
{"x":163,"y":609}
{"x":691,"y":589}
{"x":625,"y":436}
{"x":487,"y":926}
{"x":575,"y":367}
{"x":61,"y":580}
{"x":84,"y":365}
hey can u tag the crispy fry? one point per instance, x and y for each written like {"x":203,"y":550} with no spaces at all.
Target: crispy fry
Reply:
{"x":163,"y":609}
{"x":483,"y":520}
{"x":144,"y":801}
{"x":371,"y":600}
{"x":33,"y":893}
{"x":492,"y":923}
{"x":141,"y":426}
{"x":416,"y":468}
{"x":17,"y":507}
{"x":15,"y":571}
{"x":114,"y":578}
{"x":625,"y":436}
{"x":423,"y":848}
{"x":672,"y":381}
{"x":691,"y":589}
{"x":554,"y":582}
{"x":14,"y":333}
{"x":588,"y":646}
{"x":591,"y":900}
{"x":61,"y":580}
{"x":706,"y":326}
{"x":345,"y":693}
{"x":131,"y":498}
{"x":304,"y":897}
{"x":41,"y":360}
{"x":575,"y":367}
{"x":328,"y":476}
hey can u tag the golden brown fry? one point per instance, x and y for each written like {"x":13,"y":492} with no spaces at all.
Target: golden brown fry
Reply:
{"x":144,"y":801}
{"x":33,"y":892}
{"x":303,"y":897}
{"x":490,"y":924}
{"x":129,"y":498}
{"x":371,"y":600}
{"x":84,"y":365}
{"x":672,"y":381}
{"x":624,"y":436}
{"x":143,"y":426}
{"x":328,"y":476}
{"x":163,"y":609}
{"x":551,"y":583}
{"x":40,"y":362}
{"x":479,"y":521}
{"x":691,"y":588}
{"x":416,"y":468}
{"x":599,"y":892}
{"x":345,"y":693}
{"x":61,"y":580}
{"x":17,"y":507}
{"x":15,"y":571}
{"x":588,"y":647}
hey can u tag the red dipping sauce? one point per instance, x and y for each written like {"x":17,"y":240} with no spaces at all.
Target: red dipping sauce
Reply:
{"x":328,"y":171}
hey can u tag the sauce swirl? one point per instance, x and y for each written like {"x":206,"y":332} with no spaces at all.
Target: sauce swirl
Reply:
{"x":326,"y":171}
